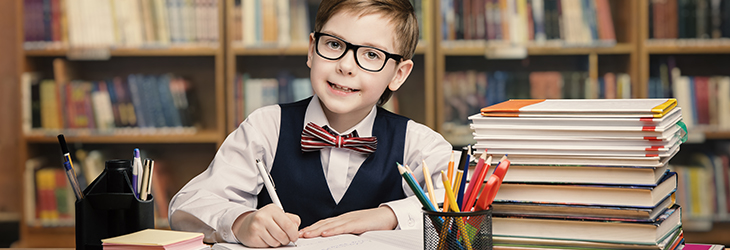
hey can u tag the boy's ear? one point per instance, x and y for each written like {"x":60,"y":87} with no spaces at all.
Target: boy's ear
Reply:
{"x":402,"y":71}
{"x":310,"y":51}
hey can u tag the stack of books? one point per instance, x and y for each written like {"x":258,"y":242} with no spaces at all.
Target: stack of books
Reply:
{"x":588,"y":173}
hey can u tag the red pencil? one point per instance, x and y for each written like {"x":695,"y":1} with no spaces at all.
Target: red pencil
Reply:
{"x":478,"y":182}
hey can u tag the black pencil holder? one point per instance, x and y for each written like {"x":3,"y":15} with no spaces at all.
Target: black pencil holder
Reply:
{"x":110,"y":208}
{"x":463,"y":231}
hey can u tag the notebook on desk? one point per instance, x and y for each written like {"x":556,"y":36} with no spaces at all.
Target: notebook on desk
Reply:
{"x":386,"y":239}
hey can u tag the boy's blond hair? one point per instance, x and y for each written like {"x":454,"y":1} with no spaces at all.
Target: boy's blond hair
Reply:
{"x":401,"y":14}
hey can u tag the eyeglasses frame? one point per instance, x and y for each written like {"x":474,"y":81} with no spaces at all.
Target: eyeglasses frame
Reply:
{"x":354,"y":48}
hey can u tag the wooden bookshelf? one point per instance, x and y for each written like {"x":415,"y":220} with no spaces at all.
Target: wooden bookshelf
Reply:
{"x":550,"y":55}
{"x":188,"y":152}
{"x":213,"y":70}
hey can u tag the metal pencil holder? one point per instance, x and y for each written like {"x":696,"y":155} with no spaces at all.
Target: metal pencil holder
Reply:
{"x":463,"y":231}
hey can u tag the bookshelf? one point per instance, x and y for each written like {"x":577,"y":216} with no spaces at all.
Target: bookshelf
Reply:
{"x":182,"y":153}
{"x":595,"y":59}
{"x":213,"y":69}
{"x":695,"y":57}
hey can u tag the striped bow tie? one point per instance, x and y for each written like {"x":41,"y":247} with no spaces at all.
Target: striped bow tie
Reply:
{"x":315,"y":138}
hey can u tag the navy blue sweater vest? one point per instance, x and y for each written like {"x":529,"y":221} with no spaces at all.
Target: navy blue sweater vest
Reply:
{"x":300,"y":181}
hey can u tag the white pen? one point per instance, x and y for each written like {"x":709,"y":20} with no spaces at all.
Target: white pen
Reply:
{"x":269,"y":183}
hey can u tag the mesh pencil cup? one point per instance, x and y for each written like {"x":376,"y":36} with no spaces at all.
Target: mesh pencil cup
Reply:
{"x":464,"y":231}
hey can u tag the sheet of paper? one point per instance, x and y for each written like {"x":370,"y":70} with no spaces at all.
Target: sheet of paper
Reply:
{"x":390,"y":239}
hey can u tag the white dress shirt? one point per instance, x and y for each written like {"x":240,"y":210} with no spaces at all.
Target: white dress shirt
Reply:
{"x":212,"y":201}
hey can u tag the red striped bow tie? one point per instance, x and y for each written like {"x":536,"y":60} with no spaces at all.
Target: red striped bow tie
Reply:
{"x":315,"y":138}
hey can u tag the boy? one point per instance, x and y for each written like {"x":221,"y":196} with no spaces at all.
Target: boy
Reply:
{"x":360,"y":52}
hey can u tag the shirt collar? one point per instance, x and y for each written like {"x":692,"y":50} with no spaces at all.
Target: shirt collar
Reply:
{"x":316,"y":115}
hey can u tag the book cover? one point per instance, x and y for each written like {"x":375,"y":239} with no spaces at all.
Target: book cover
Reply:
{"x":586,"y":107}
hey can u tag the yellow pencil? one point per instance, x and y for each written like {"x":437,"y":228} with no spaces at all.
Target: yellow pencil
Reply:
{"x":452,"y":200}
{"x":429,"y":184}
{"x":451,"y":175}
{"x":457,"y":186}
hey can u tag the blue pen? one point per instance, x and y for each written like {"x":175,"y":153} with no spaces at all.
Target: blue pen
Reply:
{"x":136,"y":173}
{"x":69,"y":168}
{"x":464,"y":166}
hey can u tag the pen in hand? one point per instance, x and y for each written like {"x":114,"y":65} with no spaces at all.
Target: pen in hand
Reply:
{"x":269,"y":183}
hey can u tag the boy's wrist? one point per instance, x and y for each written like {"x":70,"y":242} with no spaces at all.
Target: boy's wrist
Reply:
{"x":236,"y":226}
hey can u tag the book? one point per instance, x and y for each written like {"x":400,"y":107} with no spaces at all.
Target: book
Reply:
{"x":523,"y":243}
{"x":385,"y":239}
{"x":638,"y":214}
{"x":581,"y":108}
{"x":607,"y":231}
{"x":585,"y":174}
{"x":643,"y":161}
{"x":156,"y":239}
{"x":671,"y":117}
{"x":703,"y":247}
{"x":604,"y":195}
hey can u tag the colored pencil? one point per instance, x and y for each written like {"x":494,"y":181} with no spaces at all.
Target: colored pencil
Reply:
{"x":429,"y":184}
{"x":451,"y":175}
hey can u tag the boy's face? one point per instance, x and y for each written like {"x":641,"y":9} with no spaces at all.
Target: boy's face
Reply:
{"x":342,"y":86}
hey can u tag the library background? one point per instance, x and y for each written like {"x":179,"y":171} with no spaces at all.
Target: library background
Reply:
{"x":89,"y":68}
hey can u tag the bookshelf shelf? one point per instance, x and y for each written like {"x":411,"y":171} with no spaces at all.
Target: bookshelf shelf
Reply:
{"x":174,"y":51}
{"x":140,"y":137}
{"x":478,"y":50}
{"x":687,"y":49}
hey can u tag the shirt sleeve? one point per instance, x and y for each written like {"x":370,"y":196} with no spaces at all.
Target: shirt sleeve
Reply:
{"x":212,"y":201}
{"x":422,"y":143}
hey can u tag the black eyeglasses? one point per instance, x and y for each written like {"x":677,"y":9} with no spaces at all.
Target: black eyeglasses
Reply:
{"x":367,"y":57}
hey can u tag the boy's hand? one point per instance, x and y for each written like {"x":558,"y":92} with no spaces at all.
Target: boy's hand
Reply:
{"x":267,"y":227}
{"x":355,"y":222}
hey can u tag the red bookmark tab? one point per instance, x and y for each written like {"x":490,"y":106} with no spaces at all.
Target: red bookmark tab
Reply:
{"x":651,"y":138}
{"x":654,"y":148}
{"x":648,"y":128}
{"x":652,"y":155}
{"x":646,"y":119}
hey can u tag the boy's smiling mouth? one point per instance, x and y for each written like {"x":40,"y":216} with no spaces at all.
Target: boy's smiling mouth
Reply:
{"x":341,"y":88}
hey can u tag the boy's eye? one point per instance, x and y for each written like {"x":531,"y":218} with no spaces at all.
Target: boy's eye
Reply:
{"x":373,"y":55}
{"x":334,"y":44}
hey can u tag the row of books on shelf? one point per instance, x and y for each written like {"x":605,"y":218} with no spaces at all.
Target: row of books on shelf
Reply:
{"x":704,"y":188}
{"x":703,"y":98}
{"x":465,"y":92}
{"x":281,"y":23}
{"x":573,"y":22}
{"x":252,"y":93}
{"x":120,"y":23}
{"x":50,"y":202}
{"x":139,"y":101}
{"x":671,"y":19}
{"x":584,"y":174}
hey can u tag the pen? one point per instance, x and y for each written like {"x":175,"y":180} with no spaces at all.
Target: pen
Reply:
{"x":269,"y":183}
{"x":69,"y":168}
{"x":464,"y":167}
{"x":136,"y":173}
{"x":429,"y":184}
{"x":146,"y":179}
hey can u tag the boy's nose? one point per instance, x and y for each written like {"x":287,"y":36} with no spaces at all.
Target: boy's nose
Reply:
{"x":346,"y":64}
